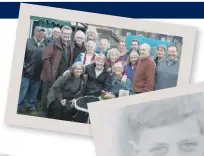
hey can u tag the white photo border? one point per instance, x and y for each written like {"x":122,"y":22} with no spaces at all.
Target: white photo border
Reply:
{"x":26,"y":10}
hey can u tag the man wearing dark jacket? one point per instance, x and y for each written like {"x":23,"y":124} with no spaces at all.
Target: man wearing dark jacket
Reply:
{"x":57,"y":58}
{"x":32,"y":67}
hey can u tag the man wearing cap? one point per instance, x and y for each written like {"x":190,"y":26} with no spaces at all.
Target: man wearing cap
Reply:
{"x":57,"y":58}
{"x":32,"y":68}
{"x":55,"y":34}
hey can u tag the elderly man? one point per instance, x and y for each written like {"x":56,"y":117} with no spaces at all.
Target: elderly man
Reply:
{"x":78,"y":46}
{"x":57,"y":58}
{"x":143,"y":80}
{"x":32,"y":68}
{"x":55,"y":34}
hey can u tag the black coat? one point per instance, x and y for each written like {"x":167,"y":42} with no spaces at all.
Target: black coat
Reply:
{"x":96,"y":85}
{"x":48,"y":40}
{"x":61,"y":85}
{"x":33,"y":59}
{"x":77,"y":49}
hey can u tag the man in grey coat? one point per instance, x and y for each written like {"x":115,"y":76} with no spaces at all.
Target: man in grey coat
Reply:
{"x":167,"y":70}
{"x":30,"y":81}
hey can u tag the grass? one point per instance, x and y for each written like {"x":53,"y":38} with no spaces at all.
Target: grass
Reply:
{"x":35,"y":113}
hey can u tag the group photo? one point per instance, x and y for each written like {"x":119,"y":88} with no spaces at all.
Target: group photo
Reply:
{"x":69,"y":64}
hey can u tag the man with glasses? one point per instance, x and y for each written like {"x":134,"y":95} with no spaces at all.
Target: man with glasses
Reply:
{"x":57,"y":58}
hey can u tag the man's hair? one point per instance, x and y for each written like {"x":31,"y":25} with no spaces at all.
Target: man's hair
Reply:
{"x":161,"y":46}
{"x":171,"y":45}
{"x":67,"y":28}
{"x":55,"y":28}
{"x":147,"y":45}
{"x":135,"y":41}
{"x":166,"y":112}
{"x":79,"y":33}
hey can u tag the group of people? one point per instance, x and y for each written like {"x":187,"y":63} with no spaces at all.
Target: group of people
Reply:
{"x":68,"y":70}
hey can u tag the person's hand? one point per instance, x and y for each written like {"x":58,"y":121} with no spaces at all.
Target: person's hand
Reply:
{"x":73,"y":101}
{"x":124,"y":78}
{"x":63,"y":102}
{"x":109,"y":69}
{"x":109,"y":95}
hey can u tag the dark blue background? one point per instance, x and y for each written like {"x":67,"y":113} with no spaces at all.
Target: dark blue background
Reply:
{"x":124,"y":9}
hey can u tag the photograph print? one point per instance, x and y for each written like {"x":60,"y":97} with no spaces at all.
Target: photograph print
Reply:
{"x":165,"y":127}
{"x":70,"y":61}
{"x":81,"y":63}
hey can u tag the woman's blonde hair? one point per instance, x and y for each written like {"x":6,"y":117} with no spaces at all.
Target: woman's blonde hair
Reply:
{"x":104,"y":40}
{"x":100,"y":56}
{"x":132,"y":53}
{"x":91,"y":29}
{"x":93,"y":44}
{"x":113,"y":51}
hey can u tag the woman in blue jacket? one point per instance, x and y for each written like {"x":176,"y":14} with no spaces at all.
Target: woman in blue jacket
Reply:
{"x":130,"y":68}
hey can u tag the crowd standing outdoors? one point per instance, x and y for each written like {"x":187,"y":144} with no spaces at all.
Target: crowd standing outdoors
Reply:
{"x":67,"y":70}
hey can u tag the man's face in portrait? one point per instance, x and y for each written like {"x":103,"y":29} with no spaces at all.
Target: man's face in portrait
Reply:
{"x":184,"y":138}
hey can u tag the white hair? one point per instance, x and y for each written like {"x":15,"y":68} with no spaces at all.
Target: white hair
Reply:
{"x":91,"y":29}
{"x":104,"y":40}
{"x":134,"y":53}
{"x":146,"y":45}
{"x":75,"y":65}
{"x":79,"y":33}
{"x":113,"y":51}
{"x":93,"y":44}
{"x":55,"y":28}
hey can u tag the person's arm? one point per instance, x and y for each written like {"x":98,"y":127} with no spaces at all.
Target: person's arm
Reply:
{"x":133,"y":82}
{"x":107,"y":82}
{"x":82,"y":88}
{"x":58,"y":85}
{"x":29,"y":60}
{"x":46,"y":58}
{"x":150,"y":77}
{"x":129,"y":87}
